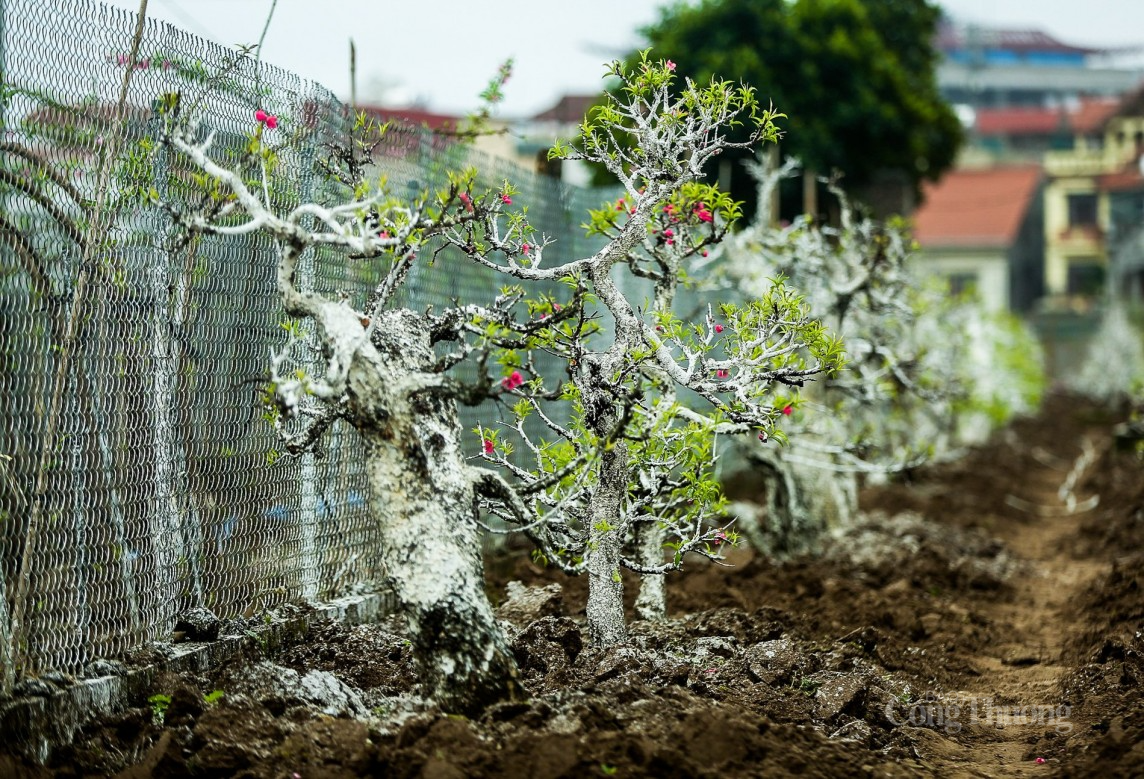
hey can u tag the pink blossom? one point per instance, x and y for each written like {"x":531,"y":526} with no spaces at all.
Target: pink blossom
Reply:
{"x":555,"y":306}
{"x":718,"y":328}
{"x":668,"y":233}
{"x":490,"y":447}
{"x":506,"y":200}
{"x":121,"y":59}
{"x":632,"y":210}
{"x":167,"y":64}
{"x":704,"y":252}
{"x":468,"y":201}
{"x":269,"y":120}
{"x":703,"y":214}
{"x":788,"y":410}
{"x":670,"y":241}
{"x":383,"y":235}
{"x":669,"y":65}
{"x":143,"y":64}
{"x":668,"y":208}
{"x":1039,"y":761}
{"x":620,"y":204}
{"x":659,"y":328}
{"x":512,"y":381}
{"x":722,"y":373}
{"x":720,"y":537}
{"x":525,"y":248}
{"x":762,"y":436}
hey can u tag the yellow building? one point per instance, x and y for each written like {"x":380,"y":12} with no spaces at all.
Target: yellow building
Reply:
{"x":1078,"y":200}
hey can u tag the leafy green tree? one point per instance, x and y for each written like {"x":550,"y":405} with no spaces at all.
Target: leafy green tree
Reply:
{"x":855,"y":76}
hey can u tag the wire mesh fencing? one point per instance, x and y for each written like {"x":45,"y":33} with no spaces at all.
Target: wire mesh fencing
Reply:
{"x":137,"y":477}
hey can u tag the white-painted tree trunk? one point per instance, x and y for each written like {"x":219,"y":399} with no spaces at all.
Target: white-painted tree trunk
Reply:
{"x":605,"y":609}
{"x":421,"y":495}
{"x":651,"y":603}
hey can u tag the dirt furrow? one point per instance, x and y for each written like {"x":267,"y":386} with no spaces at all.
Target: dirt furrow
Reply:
{"x":1013,"y":701}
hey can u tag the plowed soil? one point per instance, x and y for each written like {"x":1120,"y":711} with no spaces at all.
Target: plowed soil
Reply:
{"x":985,"y":618}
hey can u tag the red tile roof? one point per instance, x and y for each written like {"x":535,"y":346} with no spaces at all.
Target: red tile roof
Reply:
{"x":569,"y":110}
{"x":976,"y":208}
{"x":1085,"y":119}
{"x":1019,"y":121}
{"x":956,"y":37}
{"x":1092,"y":114}
{"x":417,"y":117}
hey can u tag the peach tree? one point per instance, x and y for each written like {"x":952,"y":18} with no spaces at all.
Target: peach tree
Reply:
{"x":626,"y":451}
{"x":627,"y":482}
{"x":920,"y":364}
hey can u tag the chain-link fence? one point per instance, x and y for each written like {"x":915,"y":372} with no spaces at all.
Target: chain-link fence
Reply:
{"x":137,"y":478}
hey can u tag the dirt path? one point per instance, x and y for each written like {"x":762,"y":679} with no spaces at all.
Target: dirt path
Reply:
{"x":1023,"y":670}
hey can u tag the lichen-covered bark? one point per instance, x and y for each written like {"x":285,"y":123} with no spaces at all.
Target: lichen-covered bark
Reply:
{"x":605,"y":587}
{"x":651,"y":603}
{"x":605,"y":608}
{"x":422,"y":498}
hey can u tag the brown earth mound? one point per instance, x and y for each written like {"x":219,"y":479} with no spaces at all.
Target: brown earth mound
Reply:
{"x":984,"y":614}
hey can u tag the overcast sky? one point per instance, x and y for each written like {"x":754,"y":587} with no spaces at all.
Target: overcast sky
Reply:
{"x":442,"y":53}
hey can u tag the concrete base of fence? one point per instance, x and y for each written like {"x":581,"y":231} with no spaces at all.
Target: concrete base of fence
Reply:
{"x":35,"y":725}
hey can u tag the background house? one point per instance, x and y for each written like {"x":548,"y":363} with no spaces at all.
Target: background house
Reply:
{"x":522,"y":142}
{"x":1054,"y":135}
{"x":986,"y":67}
{"x":1013,"y":134}
{"x":1093,"y":191}
{"x":982,"y":230}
